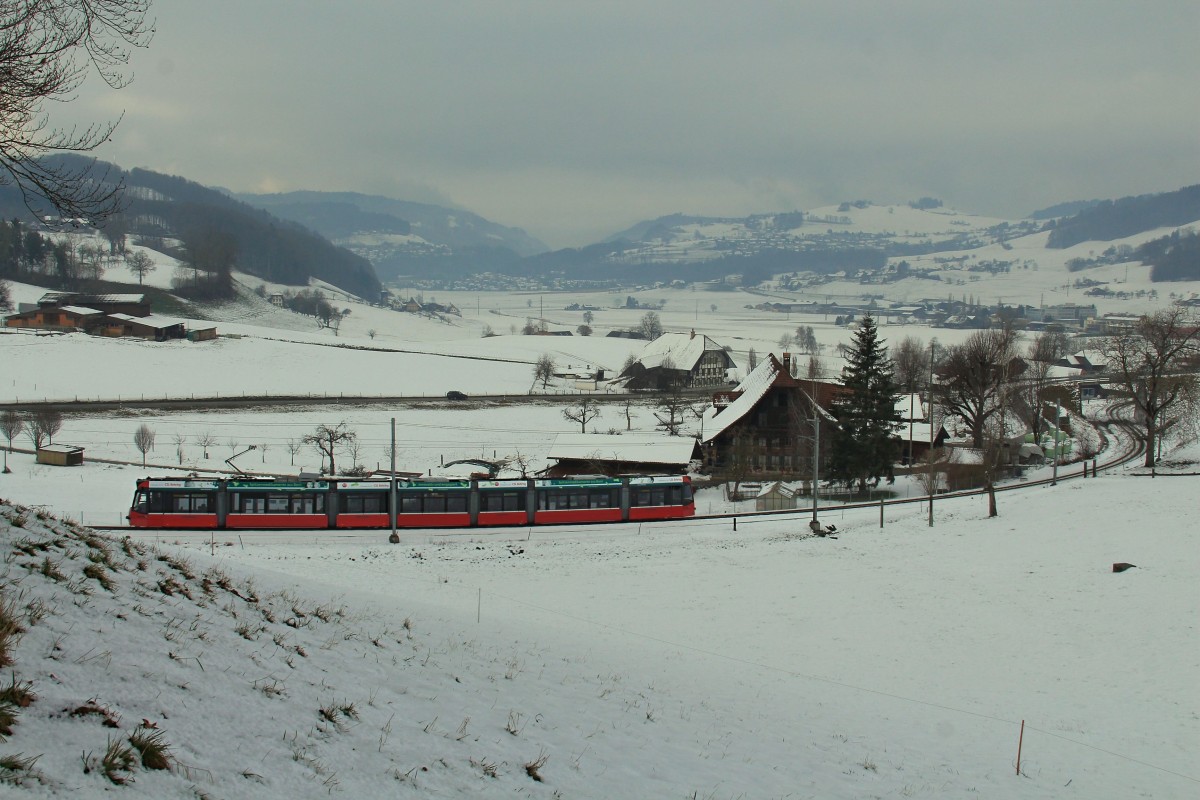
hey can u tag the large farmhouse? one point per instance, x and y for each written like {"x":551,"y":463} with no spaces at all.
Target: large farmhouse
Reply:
{"x":764,"y":427}
{"x":679,"y":360}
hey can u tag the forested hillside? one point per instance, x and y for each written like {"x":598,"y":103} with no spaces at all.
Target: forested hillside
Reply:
{"x":219,"y":232}
{"x":1116,"y":219}
{"x":1173,"y":258}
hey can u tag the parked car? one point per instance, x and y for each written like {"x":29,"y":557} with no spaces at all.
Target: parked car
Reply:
{"x":455,"y":395}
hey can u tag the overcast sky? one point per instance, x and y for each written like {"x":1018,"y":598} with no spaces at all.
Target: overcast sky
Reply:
{"x":575,"y":119}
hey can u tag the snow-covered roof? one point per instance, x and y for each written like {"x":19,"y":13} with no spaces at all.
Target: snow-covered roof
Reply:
{"x":1055,"y":372}
{"x":910,"y":406}
{"x":633,"y":448}
{"x":920,"y":431}
{"x":784,"y":488}
{"x":81,"y":310}
{"x":683,"y":349}
{"x":151,"y":321}
{"x":60,"y":448}
{"x":752,"y":389}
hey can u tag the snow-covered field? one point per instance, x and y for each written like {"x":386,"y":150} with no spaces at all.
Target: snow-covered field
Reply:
{"x":681,"y":660}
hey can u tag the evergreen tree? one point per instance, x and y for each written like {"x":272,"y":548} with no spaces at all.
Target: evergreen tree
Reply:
{"x":863,"y":448}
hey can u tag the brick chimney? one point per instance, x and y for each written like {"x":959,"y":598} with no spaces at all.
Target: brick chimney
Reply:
{"x":787,"y":362}
{"x":693,"y":336}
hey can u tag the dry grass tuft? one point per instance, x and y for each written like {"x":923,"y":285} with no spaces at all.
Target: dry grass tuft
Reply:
{"x":15,"y":769}
{"x":100,"y":575}
{"x":154,"y":752}
{"x":50,"y":569}
{"x":118,"y":762}
{"x":18,"y":693}
{"x":11,"y":630}
{"x":93,"y":708}
{"x":533,"y":768}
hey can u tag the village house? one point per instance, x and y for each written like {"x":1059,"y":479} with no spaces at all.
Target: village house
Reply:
{"x":681,"y":360}
{"x":764,"y":427}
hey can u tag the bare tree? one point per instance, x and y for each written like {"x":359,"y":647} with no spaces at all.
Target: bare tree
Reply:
{"x":932,"y":469}
{"x":1041,"y":354}
{"x":178,"y":440}
{"x":293,"y":447}
{"x":140,"y":264}
{"x":262,"y":447}
{"x":233,"y":446}
{"x":41,"y":426}
{"x":143,"y":440}
{"x":588,"y":317}
{"x":11,"y":424}
{"x":543,"y":370}
{"x":206,"y":439}
{"x":650,"y":326}
{"x":1149,"y":361}
{"x":673,"y":409}
{"x":910,"y":365}
{"x":354,"y":448}
{"x":585,"y":412}
{"x":976,"y":377}
{"x":326,"y":439}
{"x":627,"y":410}
{"x":47,"y":50}
{"x":816,"y":369}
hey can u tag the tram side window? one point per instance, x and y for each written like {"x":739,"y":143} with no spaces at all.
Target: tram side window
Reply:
{"x":501,"y":501}
{"x":650,"y":497}
{"x":562,"y":499}
{"x":371,"y":503}
{"x":455,"y":503}
{"x":277,"y":503}
{"x":602,"y":498}
{"x":180,"y":502}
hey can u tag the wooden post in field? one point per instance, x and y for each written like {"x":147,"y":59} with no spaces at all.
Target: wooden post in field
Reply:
{"x":881,"y":512}
{"x":1020,"y":741}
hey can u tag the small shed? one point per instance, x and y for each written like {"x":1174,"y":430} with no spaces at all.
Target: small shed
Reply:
{"x":202,"y":333}
{"x":777,"y":496}
{"x":60,"y":455}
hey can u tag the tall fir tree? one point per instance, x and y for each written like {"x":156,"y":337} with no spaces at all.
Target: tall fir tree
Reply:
{"x":864,"y":448}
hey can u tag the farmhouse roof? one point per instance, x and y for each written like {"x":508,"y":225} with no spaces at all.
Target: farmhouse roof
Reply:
{"x":684,"y":350}
{"x":152,"y":321}
{"x":633,"y":448}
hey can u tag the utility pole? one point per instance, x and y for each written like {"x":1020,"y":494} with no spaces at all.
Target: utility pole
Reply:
{"x":395,"y":537}
{"x":816,"y":449}
{"x":1057,"y":415}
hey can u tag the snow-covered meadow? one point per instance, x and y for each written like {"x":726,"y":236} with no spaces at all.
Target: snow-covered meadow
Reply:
{"x":678,"y":660}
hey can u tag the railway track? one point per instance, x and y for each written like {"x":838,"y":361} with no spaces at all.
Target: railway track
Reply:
{"x":1118,"y":435}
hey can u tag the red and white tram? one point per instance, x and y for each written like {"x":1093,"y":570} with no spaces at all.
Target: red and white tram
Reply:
{"x":255,"y":503}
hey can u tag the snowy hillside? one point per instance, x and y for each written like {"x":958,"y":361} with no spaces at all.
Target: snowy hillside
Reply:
{"x":672,"y":661}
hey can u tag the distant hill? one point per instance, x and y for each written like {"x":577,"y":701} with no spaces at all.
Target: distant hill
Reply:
{"x":170,"y":207}
{"x":1066,"y":209}
{"x":1116,"y":219}
{"x":1172,"y":258}
{"x":401,"y":237}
